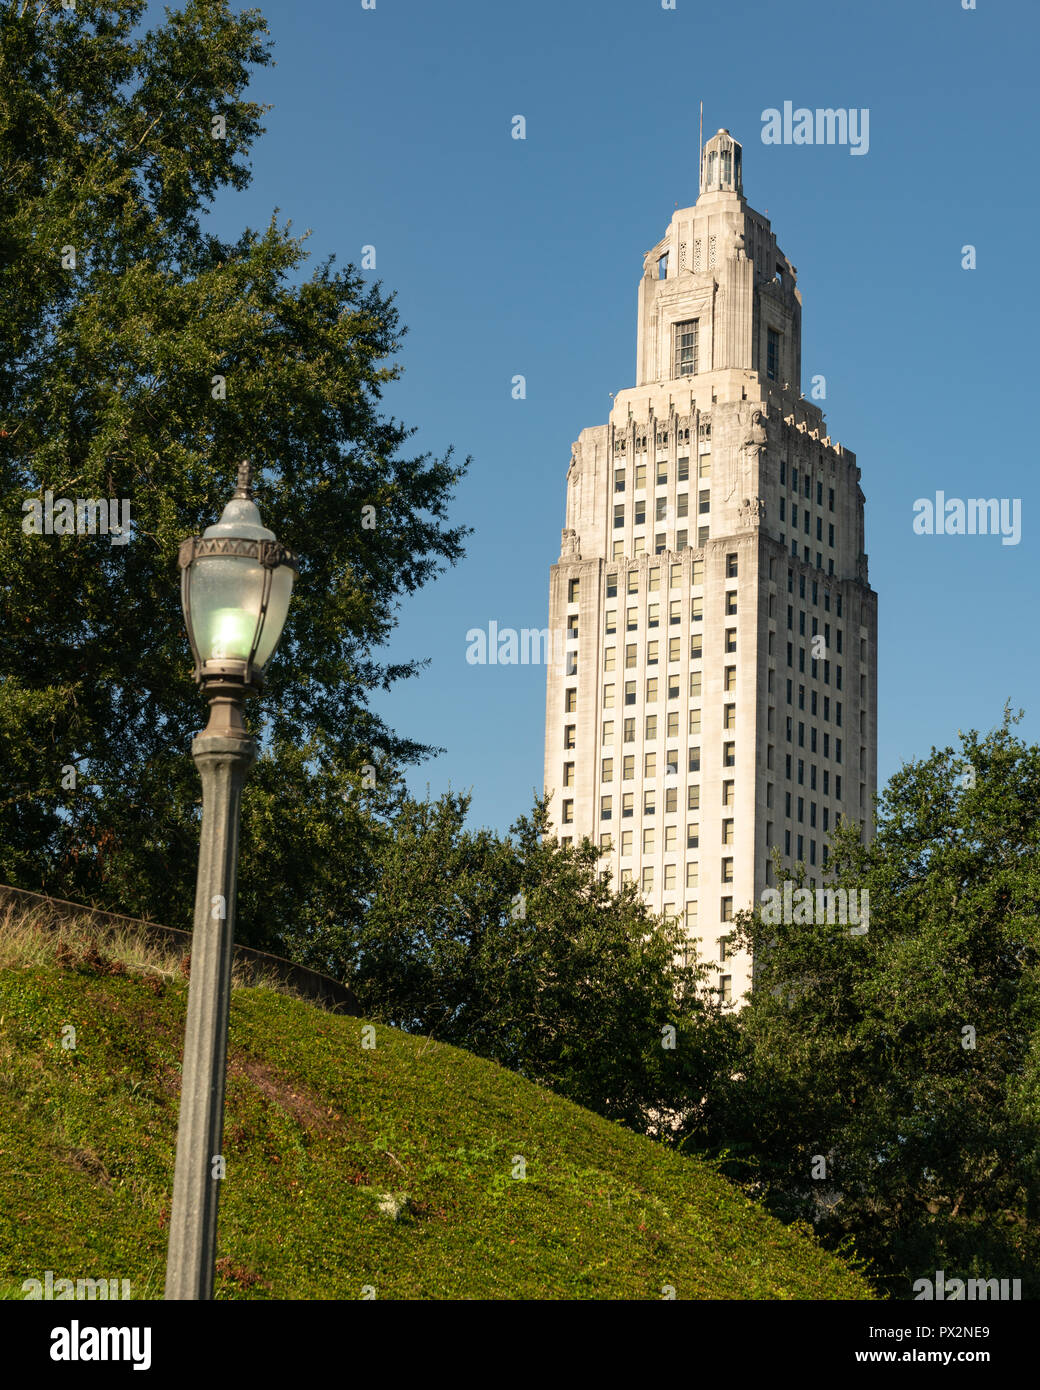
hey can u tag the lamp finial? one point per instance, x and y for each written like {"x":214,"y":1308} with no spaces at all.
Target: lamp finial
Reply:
{"x":244,"y":483}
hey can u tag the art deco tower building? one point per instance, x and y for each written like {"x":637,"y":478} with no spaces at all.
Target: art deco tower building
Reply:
{"x":718,"y":695}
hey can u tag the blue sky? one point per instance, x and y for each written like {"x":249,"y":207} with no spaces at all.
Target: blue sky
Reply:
{"x":391,"y":127}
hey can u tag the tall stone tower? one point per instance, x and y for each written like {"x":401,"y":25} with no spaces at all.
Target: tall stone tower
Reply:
{"x":718,"y":693}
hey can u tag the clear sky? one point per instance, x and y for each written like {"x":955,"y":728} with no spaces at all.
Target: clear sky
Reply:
{"x":392,"y":126}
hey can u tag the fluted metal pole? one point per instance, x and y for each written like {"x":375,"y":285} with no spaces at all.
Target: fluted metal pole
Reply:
{"x":224,"y":754}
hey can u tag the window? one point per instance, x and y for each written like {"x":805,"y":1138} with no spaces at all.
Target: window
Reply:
{"x":704,"y":502}
{"x":726,"y":910}
{"x":606,"y":771}
{"x":611,"y":621}
{"x":729,"y":796}
{"x":649,"y":764}
{"x":702,"y":536}
{"x":671,"y":800}
{"x":674,"y":576}
{"x":612,"y":584}
{"x":673,"y":649}
{"x":609,"y":655}
{"x":619,"y":515}
{"x":630,"y":655}
{"x":685,"y":348}
{"x":691,"y":875}
{"x":608,"y":731}
{"x":651,"y":728}
{"x":568,"y":735}
{"x":671,"y":762}
{"x":729,"y":681}
{"x":628,"y":767}
{"x":606,"y":840}
{"x":729,"y":754}
{"x":727,"y":871}
{"x":670,"y":834}
{"x":640,"y":515}
{"x":695,"y":759}
{"x":651,"y":691}
{"x":731,"y":566}
{"x":727,"y":831}
{"x":682,"y":504}
{"x":772,"y":355}
{"x":619,"y":480}
{"x":695,"y":684}
{"x":696,"y":608}
{"x":725,"y":949}
{"x":605,"y":805}
{"x":693,"y":798}
{"x":572,"y":591}
{"x":704,"y":466}
{"x":729,"y":716}
{"x":632,"y":583}
{"x":653,"y":576}
{"x":660,"y":508}
{"x":568,"y":812}
{"x":726,"y":988}
{"x":669,"y":876}
{"x":640,"y":477}
{"x":653,"y":615}
{"x":648,"y":878}
{"x":675,"y":612}
{"x":648,"y":840}
{"x":568,"y":775}
{"x":608,"y":697}
{"x":695,"y":721}
{"x":695,"y":647}
{"x":662,"y":472}
{"x":731,"y":602}
{"x":731,"y":639}
{"x":570,"y":700}
{"x":649,"y":802}
{"x":683,"y":473}
{"x":693,"y":835}
{"x":673,"y":687}
{"x":626,"y":808}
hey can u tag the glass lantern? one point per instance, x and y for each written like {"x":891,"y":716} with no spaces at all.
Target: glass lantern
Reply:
{"x":236,"y":582}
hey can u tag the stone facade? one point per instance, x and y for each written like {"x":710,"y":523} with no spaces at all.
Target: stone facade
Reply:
{"x":718,"y":695}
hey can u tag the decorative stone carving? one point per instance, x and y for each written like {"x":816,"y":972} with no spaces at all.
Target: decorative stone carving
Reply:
{"x":569,"y":545}
{"x":752,"y":513}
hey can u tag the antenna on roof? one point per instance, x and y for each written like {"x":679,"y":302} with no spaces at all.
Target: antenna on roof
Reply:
{"x":700,"y":152}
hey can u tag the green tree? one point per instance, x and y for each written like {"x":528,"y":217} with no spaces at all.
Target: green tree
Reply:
{"x":140,"y":358}
{"x":517,"y":948}
{"x":887,"y":1084}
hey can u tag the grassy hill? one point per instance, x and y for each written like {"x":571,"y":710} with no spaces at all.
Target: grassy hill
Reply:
{"x":390,"y":1167}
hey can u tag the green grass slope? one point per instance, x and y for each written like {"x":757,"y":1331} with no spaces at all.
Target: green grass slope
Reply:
{"x":390,"y":1171}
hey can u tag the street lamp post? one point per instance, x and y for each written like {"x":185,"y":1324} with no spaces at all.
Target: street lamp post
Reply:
{"x":236,"y":581}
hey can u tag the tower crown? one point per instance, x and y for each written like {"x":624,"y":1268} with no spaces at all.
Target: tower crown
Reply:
{"x":720,"y":165}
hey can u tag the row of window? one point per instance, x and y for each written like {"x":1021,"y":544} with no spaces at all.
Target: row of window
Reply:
{"x":811,"y":589}
{"x":806,"y":489}
{"x":662,"y":472}
{"x":653,"y":574}
{"x":806,"y":524}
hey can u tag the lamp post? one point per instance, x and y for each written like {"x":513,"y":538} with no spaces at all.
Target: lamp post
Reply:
{"x":236,"y":581}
